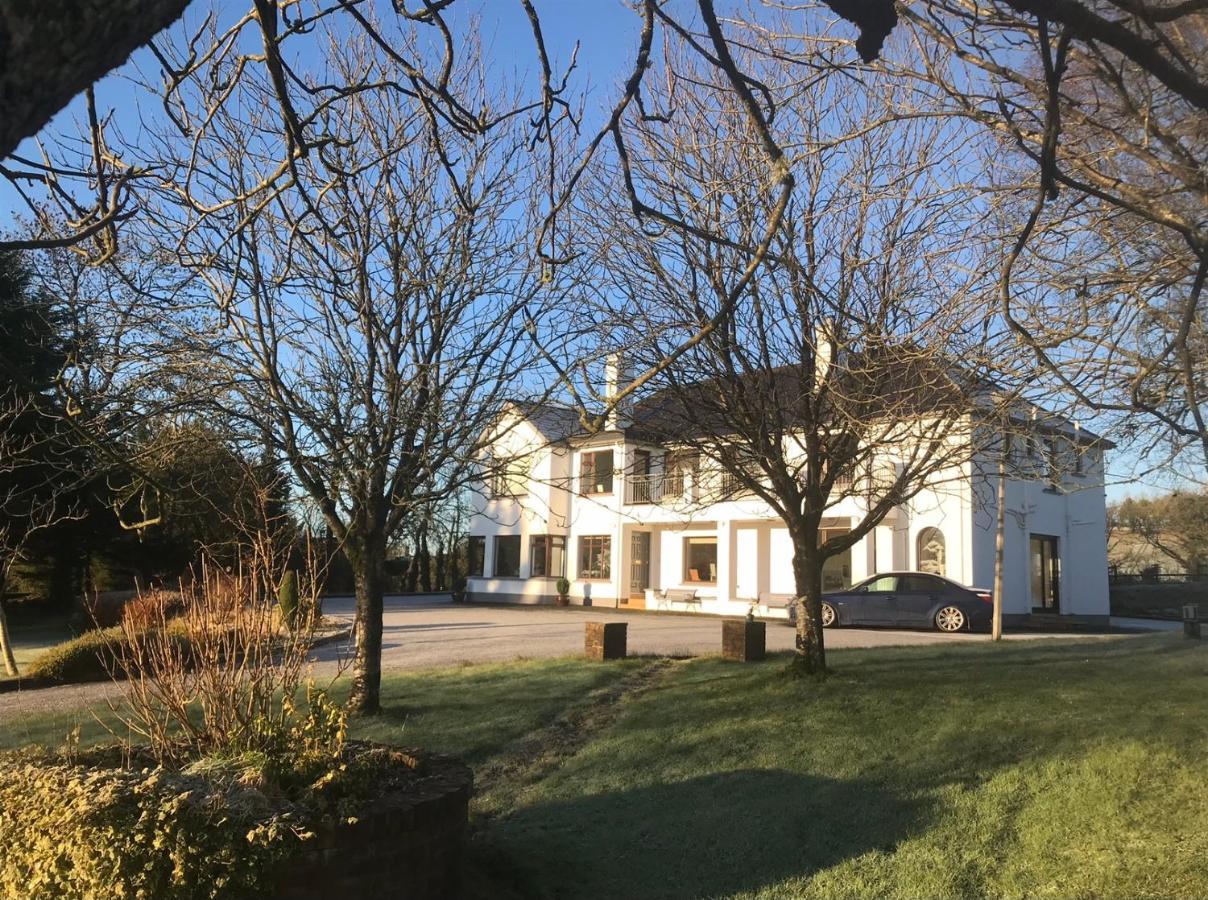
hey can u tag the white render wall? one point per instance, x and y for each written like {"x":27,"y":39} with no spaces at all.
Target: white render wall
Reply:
{"x":754,"y":551}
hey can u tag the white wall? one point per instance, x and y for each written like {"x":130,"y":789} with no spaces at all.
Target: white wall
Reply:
{"x":754,"y":550}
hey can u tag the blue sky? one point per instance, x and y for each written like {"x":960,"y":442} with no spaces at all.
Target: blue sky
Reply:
{"x":607,"y":33}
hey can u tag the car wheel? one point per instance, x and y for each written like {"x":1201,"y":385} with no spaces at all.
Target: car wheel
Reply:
{"x":950,"y":618}
{"x":830,"y":618}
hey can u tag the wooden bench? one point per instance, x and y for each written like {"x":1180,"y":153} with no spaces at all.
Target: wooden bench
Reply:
{"x":776,"y":601}
{"x":674,"y":595}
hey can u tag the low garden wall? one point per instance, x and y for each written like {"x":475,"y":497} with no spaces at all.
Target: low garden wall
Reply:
{"x":402,"y":848}
{"x":1163,"y":600}
{"x":87,"y":824}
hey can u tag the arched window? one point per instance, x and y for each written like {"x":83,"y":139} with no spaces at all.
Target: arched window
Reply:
{"x":931,"y":556}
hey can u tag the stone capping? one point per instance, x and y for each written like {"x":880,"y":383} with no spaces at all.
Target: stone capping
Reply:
{"x":400,"y":847}
{"x":744,"y":640}
{"x":605,"y":640}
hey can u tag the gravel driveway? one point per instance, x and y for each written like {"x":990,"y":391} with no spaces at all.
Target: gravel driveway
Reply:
{"x":432,"y":631}
{"x":429,"y":631}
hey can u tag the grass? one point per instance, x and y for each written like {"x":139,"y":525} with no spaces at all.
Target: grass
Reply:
{"x":1030,"y":769}
{"x":29,"y":640}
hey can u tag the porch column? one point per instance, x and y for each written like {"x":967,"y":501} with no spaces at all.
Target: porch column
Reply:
{"x":883,"y":553}
{"x":725,"y":554}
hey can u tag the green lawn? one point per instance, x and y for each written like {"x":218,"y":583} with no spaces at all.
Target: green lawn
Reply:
{"x":29,"y":640}
{"x":1031,"y":769}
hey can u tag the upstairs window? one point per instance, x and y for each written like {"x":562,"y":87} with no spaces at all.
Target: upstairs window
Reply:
{"x":595,"y":472}
{"x":511,"y":478}
{"x":1053,"y":462}
{"x":507,"y":556}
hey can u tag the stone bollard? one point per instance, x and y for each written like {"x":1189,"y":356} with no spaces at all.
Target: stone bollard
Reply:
{"x":605,"y":640}
{"x":1195,"y":618}
{"x":744,"y":640}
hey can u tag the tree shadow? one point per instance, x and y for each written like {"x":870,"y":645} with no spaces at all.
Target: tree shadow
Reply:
{"x":706,"y":836}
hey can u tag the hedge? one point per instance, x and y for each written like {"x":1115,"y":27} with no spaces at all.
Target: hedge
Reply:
{"x":89,"y":657}
{"x":70,"y":830}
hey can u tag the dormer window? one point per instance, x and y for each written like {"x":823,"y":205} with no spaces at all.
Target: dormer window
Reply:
{"x":595,"y":472}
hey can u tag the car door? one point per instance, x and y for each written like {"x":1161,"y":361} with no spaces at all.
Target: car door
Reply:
{"x":871,"y":602}
{"x":915,"y":597}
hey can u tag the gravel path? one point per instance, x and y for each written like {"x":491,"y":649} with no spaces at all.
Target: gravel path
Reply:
{"x":431,"y":631}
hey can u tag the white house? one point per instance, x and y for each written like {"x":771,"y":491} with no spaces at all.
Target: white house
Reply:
{"x":630,"y":524}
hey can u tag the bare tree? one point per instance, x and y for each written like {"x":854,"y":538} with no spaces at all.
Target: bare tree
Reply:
{"x":835,"y":384}
{"x":370,"y":311}
{"x":1103,"y":212}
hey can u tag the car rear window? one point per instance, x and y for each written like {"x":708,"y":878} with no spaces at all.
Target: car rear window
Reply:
{"x":918,"y":584}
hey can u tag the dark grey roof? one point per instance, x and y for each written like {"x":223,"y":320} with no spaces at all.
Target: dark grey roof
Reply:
{"x":553,"y":420}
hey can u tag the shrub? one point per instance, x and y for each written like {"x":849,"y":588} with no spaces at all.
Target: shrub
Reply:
{"x":144,"y":611}
{"x":562,"y":586}
{"x":68,"y":830}
{"x":104,"y":610}
{"x":287,"y":598}
{"x":93,"y":656}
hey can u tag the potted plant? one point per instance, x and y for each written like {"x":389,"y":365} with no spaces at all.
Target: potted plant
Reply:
{"x":562,"y":586}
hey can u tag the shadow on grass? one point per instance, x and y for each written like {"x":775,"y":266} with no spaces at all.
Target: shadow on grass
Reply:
{"x":712,"y":835}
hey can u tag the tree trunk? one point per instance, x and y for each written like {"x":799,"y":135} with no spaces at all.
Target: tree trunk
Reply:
{"x":1000,"y":539}
{"x":425,"y":564}
{"x":810,"y":658}
{"x":367,"y":561}
{"x":6,"y":645}
{"x":439,"y":566}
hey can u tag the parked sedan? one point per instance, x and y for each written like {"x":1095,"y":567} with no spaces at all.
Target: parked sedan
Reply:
{"x":912,"y":599}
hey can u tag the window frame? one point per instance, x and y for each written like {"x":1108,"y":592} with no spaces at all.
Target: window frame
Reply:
{"x":700,"y":539}
{"x":508,"y":474}
{"x":585,"y":541}
{"x":495,"y":573}
{"x":478,"y":541}
{"x":594,"y":469}
{"x":547,"y":543}
{"x":932,"y":532}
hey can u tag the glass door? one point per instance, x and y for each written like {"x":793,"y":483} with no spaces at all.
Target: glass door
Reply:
{"x":639,"y":566}
{"x":1045,"y":565}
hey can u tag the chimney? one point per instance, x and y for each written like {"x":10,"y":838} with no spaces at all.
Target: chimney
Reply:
{"x":616,"y":379}
{"x":824,"y":349}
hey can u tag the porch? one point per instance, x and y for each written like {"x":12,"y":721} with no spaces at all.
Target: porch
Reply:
{"x":729,"y":567}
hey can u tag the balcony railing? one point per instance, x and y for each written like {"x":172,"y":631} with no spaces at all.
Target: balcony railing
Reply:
{"x":655,"y":488}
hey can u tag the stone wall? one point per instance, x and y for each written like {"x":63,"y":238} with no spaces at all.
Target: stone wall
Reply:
{"x":401,"y":848}
{"x":1162,"y":600}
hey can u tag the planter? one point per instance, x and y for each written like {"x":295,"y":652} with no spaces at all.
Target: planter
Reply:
{"x":561,"y":600}
{"x":404,"y":846}
{"x":395,"y":828}
{"x":743,"y":640}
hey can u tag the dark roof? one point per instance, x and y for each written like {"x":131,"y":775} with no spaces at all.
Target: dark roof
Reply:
{"x":553,"y":420}
{"x":860,"y":388}
{"x":893,"y":382}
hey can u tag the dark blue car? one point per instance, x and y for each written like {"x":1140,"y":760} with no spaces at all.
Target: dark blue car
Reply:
{"x":910,"y":599}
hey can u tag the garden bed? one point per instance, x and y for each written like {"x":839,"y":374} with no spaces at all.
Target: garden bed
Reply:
{"x":109,"y":821}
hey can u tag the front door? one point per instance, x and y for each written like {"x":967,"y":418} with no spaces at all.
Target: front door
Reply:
{"x":639,"y":567}
{"x":1045,"y":573}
